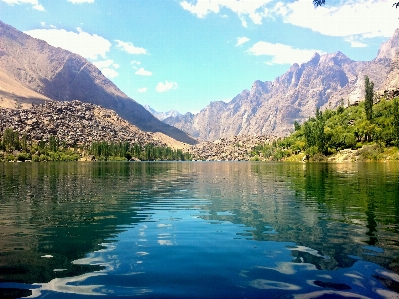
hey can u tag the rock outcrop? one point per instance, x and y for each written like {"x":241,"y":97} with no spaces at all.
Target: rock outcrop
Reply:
{"x":270,"y":108}
{"x":53,"y":73}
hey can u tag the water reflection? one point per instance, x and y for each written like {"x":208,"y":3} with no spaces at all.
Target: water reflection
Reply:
{"x":200,"y":229}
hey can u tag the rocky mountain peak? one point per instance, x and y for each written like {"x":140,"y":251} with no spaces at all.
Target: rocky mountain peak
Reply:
{"x":314,"y":60}
{"x":337,"y":58}
{"x":260,"y":87}
{"x":294,"y":67}
{"x":390,"y":48}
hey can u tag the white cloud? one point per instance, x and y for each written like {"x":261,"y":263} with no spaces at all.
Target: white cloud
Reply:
{"x":48,"y":26}
{"x":108,"y":68}
{"x":105,"y":63}
{"x":81,"y":1}
{"x":355,"y":43}
{"x":85,"y":44}
{"x":369,"y":18}
{"x":161,"y":87}
{"x":281,"y":54}
{"x":109,"y":72}
{"x":134,"y":64}
{"x":255,"y":10}
{"x":35,"y":3}
{"x":144,"y":89}
{"x":241,"y":40}
{"x":142,"y":72}
{"x":128,"y":47}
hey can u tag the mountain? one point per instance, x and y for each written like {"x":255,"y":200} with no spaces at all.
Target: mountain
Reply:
{"x":32,"y":71}
{"x":270,"y":108}
{"x":162,"y":115}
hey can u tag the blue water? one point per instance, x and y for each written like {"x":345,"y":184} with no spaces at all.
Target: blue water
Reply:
{"x":199,"y":230}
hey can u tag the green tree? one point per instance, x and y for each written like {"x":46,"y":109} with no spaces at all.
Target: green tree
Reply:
{"x":297,"y":126}
{"x":369,"y":94}
{"x":10,"y":140}
{"x":308,"y":132}
{"x":395,"y":126}
{"x":53,"y":143}
{"x":320,"y":136}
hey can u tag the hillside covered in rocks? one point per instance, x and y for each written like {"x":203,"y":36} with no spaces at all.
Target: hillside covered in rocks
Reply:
{"x":75,"y":124}
{"x":237,"y":148}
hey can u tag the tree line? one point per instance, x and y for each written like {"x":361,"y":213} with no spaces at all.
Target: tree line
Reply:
{"x":20,"y":147}
{"x":114,"y":150}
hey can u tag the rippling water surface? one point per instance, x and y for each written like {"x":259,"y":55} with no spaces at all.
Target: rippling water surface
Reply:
{"x":199,"y":230}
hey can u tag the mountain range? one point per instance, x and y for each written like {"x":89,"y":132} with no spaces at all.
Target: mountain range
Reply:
{"x":32,"y":71}
{"x":271,"y":108}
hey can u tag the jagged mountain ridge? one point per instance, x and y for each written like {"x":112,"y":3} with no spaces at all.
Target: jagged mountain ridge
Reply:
{"x":162,"y":115}
{"x":270,"y":108}
{"x":48,"y":73}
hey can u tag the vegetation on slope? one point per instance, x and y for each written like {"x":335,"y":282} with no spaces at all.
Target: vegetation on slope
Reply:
{"x":372,"y":129}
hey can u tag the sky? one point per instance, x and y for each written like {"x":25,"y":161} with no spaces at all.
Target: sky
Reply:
{"x":184,"y":54}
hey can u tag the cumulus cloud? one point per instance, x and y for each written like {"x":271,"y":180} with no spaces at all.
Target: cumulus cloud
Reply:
{"x":108,"y":67}
{"x":142,"y":72}
{"x":368,"y":18}
{"x":109,"y":73}
{"x":144,"y":89}
{"x":254,"y":10}
{"x":91,"y":46}
{"x":81,"y":1}
{"x":355,"y":43}
{"x":129,"y":48}
{"x":241,"y":40}
{"x":162,"y":87}
{"x":281,"y":54}
{"x":35,"y":3}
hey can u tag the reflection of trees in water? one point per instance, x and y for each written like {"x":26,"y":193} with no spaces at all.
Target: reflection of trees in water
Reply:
{"x":68,"y":209}
{"x":334,"y":208}
{"x":65,"y":210}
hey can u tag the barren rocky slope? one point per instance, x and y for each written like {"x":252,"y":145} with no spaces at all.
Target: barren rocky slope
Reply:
{"x":33,"y":71}
{"x":75,"y":123}
{"x":270,"y":108}
{"x":237,"y":148}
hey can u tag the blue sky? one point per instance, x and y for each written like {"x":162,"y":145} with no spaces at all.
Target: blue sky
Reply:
{"x":183,"y":54}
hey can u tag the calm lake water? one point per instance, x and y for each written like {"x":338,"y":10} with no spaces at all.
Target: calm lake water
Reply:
{"x":199,"y":230}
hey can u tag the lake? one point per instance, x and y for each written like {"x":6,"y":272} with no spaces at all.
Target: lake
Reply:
{"x":199,"y":230}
